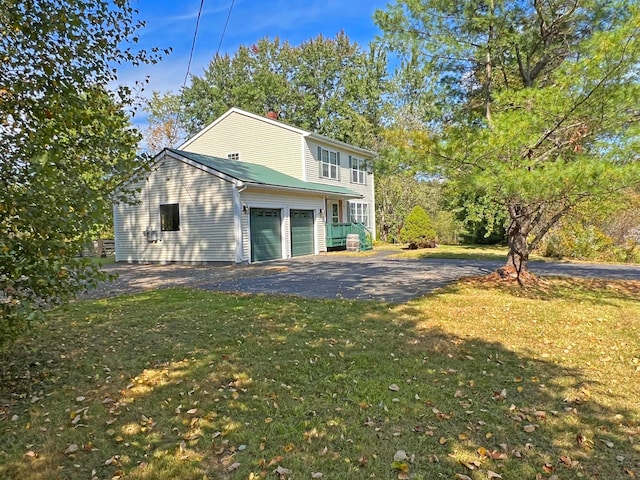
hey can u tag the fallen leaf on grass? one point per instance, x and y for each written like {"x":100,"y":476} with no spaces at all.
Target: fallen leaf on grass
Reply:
{"x":400,"y":466}
{"x":399,"y":456}
{"x":471,"y":465}
{"x":316,"y":475}
{"x":73,"y":448}
{"x":529,"y":428}
{"x":394,"y":388}
{"x":460,"y":476}
{"x":233,"y":466}
{"x":567,"y":462}
{"x":282,"y":471}
{"x":608,"y":443}
{"x":501,"y":395}
{"x":275,"y":461}
{"x":491,"y":474}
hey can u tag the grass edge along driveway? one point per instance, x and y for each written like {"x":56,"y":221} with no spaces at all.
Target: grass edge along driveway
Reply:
{"x":475,"y":381}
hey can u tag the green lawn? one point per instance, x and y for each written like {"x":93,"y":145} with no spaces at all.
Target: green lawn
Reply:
{"x":182,"y":384}
{"x":463,"y":252}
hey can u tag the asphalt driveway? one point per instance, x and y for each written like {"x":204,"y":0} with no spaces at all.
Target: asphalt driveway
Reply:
{"x":376,"y":277}
{"x":393,"y":280}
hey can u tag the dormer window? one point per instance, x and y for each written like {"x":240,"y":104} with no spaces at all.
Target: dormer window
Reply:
{"x":233,"y":156}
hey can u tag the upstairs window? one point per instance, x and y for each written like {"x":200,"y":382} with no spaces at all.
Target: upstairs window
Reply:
{"x":329,"y":163}
{"x":170,"y":217}
{"x":233,"y":156}
{"x":358,"y":170}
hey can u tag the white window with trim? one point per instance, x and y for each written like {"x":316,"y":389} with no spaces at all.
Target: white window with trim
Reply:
{"x":233,"y":156}
{"x":358,"y":170}
{"x":359,"y":212}
{"x":329,"y":163}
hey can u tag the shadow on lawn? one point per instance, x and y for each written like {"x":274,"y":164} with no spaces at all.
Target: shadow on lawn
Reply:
{"x":596,"y":291}
{"x":180,"y":384}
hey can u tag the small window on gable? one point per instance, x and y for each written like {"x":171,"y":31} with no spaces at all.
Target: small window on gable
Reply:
{"x":233,"y":156}
{"x":329,"y":163}
{"x":358,"y":170}
{"x":170,"y":217}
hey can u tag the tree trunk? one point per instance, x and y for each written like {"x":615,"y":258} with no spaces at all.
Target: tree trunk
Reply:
{"x":518,"y":258}
{"x":517,"y":263}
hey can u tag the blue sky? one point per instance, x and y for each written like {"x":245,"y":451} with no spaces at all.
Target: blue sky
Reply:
{"x":171,"y":24}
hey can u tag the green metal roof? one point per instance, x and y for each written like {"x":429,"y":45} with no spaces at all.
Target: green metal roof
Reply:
{"x":259,"y":174}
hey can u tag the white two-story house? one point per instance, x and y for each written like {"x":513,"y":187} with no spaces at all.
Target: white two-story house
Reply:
{"x":248,"y":188}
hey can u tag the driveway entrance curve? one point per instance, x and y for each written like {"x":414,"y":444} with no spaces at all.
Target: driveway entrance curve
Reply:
{"x":378,"y":276}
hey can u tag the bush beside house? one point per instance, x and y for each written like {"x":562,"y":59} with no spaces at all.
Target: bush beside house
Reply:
{"x":417,"y":231}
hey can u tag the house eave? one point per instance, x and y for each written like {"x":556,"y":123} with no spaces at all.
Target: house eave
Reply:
{"x":343,"y":145}
{"x":321,"y":193}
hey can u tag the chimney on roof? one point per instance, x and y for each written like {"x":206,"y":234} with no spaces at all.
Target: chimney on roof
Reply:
{"x":272,"y":114}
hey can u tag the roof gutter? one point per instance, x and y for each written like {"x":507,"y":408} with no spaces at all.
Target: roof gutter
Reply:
{"x":305,"y":190}
{"x":346,"y":146}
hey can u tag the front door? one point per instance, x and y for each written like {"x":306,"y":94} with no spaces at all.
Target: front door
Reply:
{"x":333,"y":211}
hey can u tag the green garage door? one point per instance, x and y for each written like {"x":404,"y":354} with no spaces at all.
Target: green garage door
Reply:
{"x":266,"y":242}
{"x":302,"y":232}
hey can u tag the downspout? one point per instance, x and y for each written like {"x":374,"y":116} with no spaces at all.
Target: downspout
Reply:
{"x":237,"y":214}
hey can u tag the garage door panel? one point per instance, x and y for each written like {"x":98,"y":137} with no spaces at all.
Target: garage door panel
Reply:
{"x":266,"y":239}
{"x":302,"y":241}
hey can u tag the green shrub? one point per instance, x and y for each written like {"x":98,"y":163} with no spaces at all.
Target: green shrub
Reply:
{"x":575,"y":239}
{"x":417,"y":230}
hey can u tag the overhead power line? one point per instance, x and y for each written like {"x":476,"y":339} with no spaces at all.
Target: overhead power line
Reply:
{"x":225,"y":27}
{"x":193,"y":44}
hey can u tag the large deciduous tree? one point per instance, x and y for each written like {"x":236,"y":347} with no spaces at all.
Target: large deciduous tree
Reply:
{"x":166,"y":121}
{"x":67,"y":144}
{"x":536,"y":103}
{"x":327,"y":85}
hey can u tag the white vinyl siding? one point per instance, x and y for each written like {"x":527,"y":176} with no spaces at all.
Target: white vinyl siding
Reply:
{"x":260,"y":142}
{"x":366,"y":189}
{"x":207,"y":229}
